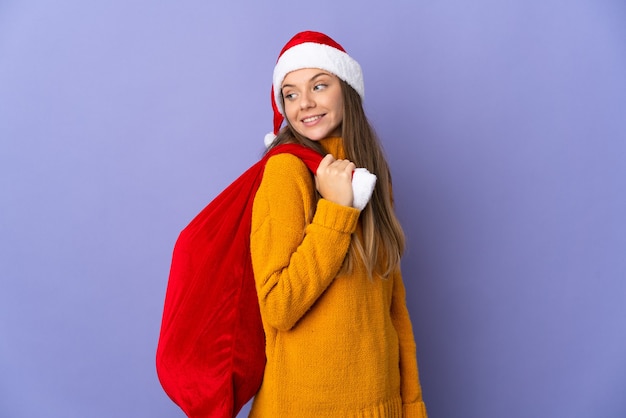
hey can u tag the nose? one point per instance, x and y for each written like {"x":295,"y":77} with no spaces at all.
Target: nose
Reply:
{"x":306,"y":101}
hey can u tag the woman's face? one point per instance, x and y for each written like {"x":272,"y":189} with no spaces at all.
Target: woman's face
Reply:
{"x":313,"y":103}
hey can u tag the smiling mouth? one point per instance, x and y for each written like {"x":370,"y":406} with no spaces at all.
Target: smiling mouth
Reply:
{"x":312,"y":119}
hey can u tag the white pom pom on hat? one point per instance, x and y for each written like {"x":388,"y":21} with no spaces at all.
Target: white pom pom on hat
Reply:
{"x":311,"y":49}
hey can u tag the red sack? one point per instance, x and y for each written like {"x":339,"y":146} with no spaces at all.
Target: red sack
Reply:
{"x":211,"y":352}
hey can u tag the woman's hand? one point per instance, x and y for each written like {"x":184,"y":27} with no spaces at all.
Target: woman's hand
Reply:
{"x":334,"y":180}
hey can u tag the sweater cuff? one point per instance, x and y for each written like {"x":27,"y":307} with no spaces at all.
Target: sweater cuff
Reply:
{"x":414,"y":410}
{"x":336,"y":217}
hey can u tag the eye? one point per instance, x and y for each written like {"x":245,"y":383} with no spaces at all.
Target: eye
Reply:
{"x":320,"y":86}
{"x":289,"y":96}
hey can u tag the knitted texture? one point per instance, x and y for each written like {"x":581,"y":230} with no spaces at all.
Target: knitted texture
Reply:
{"x":336,"y":345}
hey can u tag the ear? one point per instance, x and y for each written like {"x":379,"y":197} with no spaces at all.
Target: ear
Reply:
{"x":363,"y":183}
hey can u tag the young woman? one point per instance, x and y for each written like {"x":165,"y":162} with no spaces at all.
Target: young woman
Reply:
{"x":339,"y":341}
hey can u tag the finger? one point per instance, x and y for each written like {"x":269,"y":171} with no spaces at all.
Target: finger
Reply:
{"x":344,"y":165}
{"x":326,"y":162}
{"x":347,"y":164}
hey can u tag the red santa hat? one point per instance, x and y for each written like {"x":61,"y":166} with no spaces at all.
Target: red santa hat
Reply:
{"x":311,"y":50}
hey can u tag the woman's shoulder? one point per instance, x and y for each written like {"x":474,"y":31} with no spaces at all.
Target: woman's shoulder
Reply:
{"x":285,"y":166}
{"x":287,"y":187}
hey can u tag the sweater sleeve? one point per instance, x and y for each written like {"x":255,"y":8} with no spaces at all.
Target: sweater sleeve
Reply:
{"x":295,"y":258}
{"x":411,"y":389}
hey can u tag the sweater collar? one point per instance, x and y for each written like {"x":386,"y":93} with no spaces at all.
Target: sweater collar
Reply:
{"x":333,"y":145}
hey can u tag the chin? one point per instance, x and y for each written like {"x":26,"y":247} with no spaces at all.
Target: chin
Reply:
{"x":317,"y":136}
{"x":313,"y":136}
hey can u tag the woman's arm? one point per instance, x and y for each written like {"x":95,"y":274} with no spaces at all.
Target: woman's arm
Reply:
{"x":294,"y":261}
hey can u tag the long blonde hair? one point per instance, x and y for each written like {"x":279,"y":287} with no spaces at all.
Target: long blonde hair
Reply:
{"x":381,"y":242}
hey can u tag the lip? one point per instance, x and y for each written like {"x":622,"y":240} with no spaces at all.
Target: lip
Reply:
{"x":312,"y":119}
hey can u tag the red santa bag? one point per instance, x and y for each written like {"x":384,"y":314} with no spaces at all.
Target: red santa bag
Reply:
{"x":211,"y":351}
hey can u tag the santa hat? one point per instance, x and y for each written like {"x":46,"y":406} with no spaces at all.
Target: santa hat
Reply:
{"x":311,"y":50}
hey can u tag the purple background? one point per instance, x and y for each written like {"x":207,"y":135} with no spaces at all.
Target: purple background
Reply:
{"x":505,"y":126}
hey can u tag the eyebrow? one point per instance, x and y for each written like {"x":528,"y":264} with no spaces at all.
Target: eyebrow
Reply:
{"x":311,"y":79}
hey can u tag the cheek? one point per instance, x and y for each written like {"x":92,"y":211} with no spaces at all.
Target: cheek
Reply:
{"x":339,"y":107}
{"x":339,"y":112}
{"x":290,"y":111}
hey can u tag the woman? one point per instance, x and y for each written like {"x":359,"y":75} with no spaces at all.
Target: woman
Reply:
{"x":339,"y":341}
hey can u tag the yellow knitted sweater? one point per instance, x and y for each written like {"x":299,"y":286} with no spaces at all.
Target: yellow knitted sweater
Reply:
{"x":336,"y":345}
